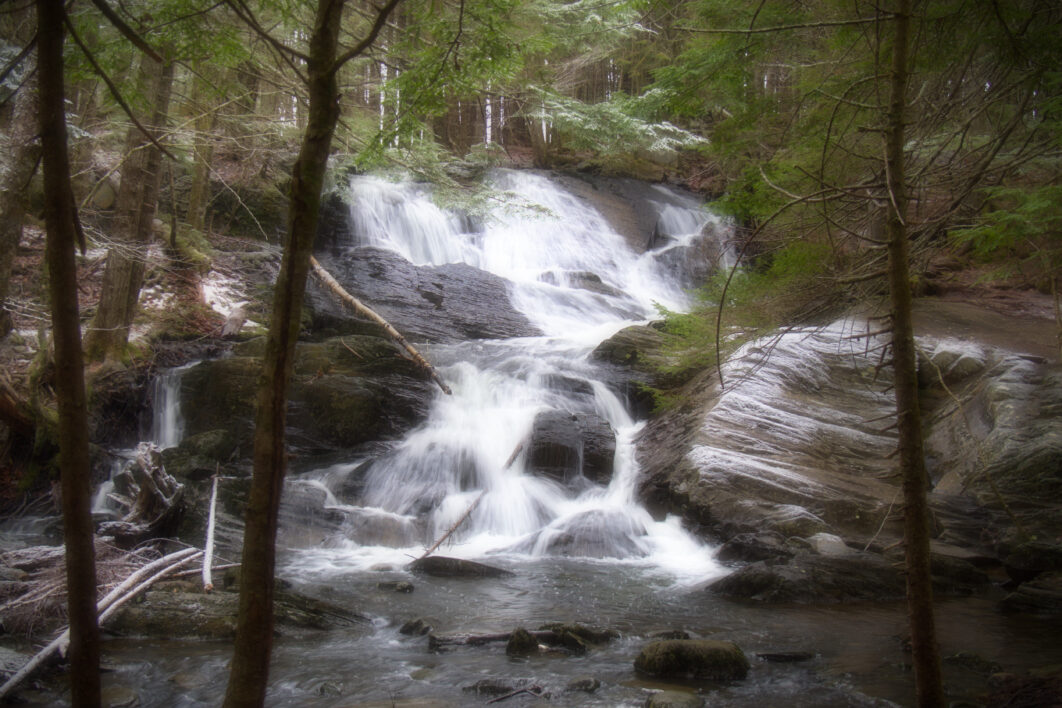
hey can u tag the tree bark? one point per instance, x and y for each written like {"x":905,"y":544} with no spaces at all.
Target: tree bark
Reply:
{"x":60,"y":219}
{"x":137,"y":201}
{"x":22,"y":150}
{"x":249,"y":671}
{"x":928,"y":681}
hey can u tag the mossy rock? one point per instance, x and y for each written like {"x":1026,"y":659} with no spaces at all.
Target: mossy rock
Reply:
{"x":693,"y":658}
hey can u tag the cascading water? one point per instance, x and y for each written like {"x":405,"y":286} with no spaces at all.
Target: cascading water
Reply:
{"x":578,"y":281}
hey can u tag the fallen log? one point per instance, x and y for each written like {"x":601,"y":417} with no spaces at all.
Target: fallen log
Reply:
{"x":365,"y":311}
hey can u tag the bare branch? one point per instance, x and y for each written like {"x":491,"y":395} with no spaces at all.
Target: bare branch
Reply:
{"x":782,"y":28}
{"x":381,"y":19}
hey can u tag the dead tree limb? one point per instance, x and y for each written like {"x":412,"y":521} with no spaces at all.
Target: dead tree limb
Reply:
{"x":450,"y":531}
{"x":208,"y":547}
{"x":364,"y":310}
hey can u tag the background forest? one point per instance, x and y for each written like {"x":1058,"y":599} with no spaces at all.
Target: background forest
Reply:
{"x":841,"y":138}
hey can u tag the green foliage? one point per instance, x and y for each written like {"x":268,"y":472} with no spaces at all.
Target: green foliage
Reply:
{"x":770,"y":293}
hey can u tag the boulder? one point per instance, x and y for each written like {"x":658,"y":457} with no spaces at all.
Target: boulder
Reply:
{"x":521,"y":643}
{"x":444,"y":567}
{"x":448,"y":303}
{"x":693,"y":658}
{"x":1042,"y":595}
{"x":572,"y":447}
{"x":582,"y":684}
{"x":814,"y":579}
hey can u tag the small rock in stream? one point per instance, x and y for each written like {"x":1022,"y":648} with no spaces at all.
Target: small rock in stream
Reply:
{"x":785,"y":657}
{"x":521,"y":643}
{"x":584,"y":684}
{"x":693,"y":658}
{"x":415,"y":627}
{"x":673,"y":699}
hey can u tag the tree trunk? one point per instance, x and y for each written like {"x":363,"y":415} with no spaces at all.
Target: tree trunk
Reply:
{"x":137,"y":201}
{"x":249,"y":671}
{"x":928,"y":680}
{"x":22,"y":150}
{"x":60,"y":219}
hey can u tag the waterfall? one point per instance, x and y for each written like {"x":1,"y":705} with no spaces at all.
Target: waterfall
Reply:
{"x":579,"y":281}
{"x":167,"y":427}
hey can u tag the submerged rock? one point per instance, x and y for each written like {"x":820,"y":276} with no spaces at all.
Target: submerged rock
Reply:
{"x":167,"y":614}
{"x":693,"y":658}
{"x":673,"y":699}
{"x":444,"y":567}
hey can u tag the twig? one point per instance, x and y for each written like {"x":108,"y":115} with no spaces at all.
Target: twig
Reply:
{"x":533,"y":690}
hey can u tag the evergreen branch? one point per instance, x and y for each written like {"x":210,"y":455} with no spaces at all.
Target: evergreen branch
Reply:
{"x":381,"y":19}
{"x":245,"y":14}
{"x":114,"y":90}
{"x":127,"y":31}
{"x":782,"y":28}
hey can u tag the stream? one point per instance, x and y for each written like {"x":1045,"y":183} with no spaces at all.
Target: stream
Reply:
{"x":580,"y":550}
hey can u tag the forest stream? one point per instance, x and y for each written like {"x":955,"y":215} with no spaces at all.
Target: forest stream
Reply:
{"x":572,"y":492}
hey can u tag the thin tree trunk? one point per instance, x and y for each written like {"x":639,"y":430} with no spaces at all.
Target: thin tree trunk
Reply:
{"x":928,"y":680}
{"x":137,"y":201}
{"x":60,"y":219}
{"x":22,"y":150}
{"x":249,"y":671}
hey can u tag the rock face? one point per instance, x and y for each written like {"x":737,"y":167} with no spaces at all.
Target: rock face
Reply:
{"x":693,"y":658}
{"x":790,"y":465}
{"x":345,"y":392}
{"x":447,"y":303}
{"x":572,"y":448}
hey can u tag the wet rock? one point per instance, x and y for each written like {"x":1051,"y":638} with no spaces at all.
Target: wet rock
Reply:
{"x":670,"y":634}
{"x":416,"y":627}
{"x":636,"y":358}
{"x":973,"y":662}
{"x":693,"y":658}
{"x":750,"y":547}
{"x":583,"y":684}
{"x":828,"y":544}
{"x":1041,"y":595}
{"x":401,"y":586}
{"x":345,"y":393}
{"x":1027,"y":560}
{"x":521,"y":643}
{"x":593,"y":635}
{"x":813,"y":579}
{"x":673,"y":699}
{"x":568,"y":446}
{"x":198,"y":457}
{"x":447,"y":303}
{"x":444,"y":567}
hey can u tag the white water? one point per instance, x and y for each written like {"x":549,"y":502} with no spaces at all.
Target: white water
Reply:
{"x":546,"y":246}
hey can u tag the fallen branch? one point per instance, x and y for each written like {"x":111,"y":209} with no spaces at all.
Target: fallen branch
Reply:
{"x":450,"y":531}
{"x":208,"y":547}
{"x":106,"y":607}
{"x":533,"y":690}
{"x":362,"y":309}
